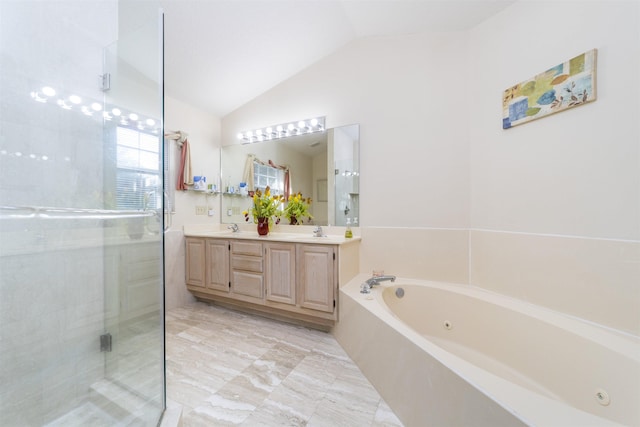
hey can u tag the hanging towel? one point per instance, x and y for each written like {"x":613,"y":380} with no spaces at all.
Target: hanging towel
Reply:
{"x":185,"y":177}
{"x":248,"y":175}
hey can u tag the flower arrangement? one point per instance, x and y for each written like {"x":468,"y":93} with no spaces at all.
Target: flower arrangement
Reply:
{"x":297,"y":208}
{"x":265,"y":206}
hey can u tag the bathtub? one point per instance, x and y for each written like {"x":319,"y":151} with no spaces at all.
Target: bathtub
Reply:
{"x":445,"y":354}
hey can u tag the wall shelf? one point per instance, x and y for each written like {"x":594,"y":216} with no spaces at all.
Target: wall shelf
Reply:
{"x":206,"y":192}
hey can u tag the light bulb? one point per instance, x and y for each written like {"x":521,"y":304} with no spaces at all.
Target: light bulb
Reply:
{"x":133,"y":116}
{"x":240,"y":135}
{"x":96,"y":106}
{"x":75,"y":99}
{"x":314,"y":122}
{"x":116,"y":112}
{"x":279,"y":128}
{"x":269,"y":130}
{"x":150,"y":122}
{"x":302,"y":124}
{"x":49,"y":91}
{"x":290,"y":127}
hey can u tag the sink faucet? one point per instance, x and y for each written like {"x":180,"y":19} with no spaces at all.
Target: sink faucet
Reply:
{"x":365,"y":288}
{"x":234,"y":228}
{"x":317,"y":232}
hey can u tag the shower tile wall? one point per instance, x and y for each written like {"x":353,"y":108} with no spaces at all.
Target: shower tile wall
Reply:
{"x":51,"y":270}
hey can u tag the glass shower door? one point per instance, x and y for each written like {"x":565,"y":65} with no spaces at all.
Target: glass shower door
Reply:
{"x":133,"y":338}
{"x":80,"y":251}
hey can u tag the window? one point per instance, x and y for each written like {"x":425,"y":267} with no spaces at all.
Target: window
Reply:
{"x":139,"y":170}
{"x":264,"y":175}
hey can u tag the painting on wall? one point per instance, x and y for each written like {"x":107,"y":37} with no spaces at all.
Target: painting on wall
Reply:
{"x":564,"y":86}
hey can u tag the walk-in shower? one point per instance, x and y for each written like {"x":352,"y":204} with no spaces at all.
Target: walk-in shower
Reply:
{"x":81,"y":224}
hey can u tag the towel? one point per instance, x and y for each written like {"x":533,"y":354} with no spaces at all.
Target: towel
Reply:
{"x":185,"y":177}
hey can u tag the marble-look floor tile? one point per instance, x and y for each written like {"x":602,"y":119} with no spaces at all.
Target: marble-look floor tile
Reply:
{"x":385,"y":417}
{"x":230,"y":368}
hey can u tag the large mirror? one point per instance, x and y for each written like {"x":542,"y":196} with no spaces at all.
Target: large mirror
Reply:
{"x":324,"y":166}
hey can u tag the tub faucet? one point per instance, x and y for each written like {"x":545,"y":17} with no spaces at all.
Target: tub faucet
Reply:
{"x":365,"y":288}
{"x":234,"y":228}
{"x":317,"y":232}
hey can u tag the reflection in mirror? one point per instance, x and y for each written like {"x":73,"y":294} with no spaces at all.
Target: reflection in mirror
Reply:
{"x":323,"y":166}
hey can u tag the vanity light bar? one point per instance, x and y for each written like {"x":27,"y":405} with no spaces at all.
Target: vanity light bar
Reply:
{"x":283,"y":130}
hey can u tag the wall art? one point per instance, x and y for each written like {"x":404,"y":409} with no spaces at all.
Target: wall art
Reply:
{"x":564,"y":86}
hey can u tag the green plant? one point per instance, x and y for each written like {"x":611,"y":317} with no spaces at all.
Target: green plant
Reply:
{"x":297,"y":208}
{"x":265,"y":206}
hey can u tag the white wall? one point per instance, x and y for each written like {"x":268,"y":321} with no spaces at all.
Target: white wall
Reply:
{"x":555,"y":203}
{"x":404,"y":92}
{"x":446,"y":194}
{"x":204,"y":141}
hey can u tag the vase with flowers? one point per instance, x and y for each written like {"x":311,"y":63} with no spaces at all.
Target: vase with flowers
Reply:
{"x":264,"y":210}
{"x":297,"y":208}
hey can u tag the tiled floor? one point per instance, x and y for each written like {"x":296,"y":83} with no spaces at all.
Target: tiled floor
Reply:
{"x":230,"y":368}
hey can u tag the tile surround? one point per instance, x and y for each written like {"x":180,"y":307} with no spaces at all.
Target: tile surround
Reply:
{"x":425,"y":253}
{"x":594,"y":279}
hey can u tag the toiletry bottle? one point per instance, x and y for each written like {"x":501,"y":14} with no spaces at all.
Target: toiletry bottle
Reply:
{"x":348,"y":233}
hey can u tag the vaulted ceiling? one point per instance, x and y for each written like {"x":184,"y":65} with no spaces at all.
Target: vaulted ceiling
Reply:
{"x":220,"y":54}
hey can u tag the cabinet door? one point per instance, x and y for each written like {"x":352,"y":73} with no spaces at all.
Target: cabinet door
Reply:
{"x":281,"y":272}
{"x":316,"y":277}
{"x":217,"y":264}
{"x":195,"y":257}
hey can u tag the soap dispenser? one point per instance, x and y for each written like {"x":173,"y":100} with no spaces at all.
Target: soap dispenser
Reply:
{"x":348,"y":233}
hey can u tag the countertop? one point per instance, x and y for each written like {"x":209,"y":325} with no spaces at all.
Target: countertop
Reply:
{"x":304,"y":235}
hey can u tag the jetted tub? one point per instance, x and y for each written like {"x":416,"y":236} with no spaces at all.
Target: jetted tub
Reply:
{"x":444,"y":354}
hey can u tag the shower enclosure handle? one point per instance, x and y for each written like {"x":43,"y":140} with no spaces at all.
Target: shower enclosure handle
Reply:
{"x":167,"y":212}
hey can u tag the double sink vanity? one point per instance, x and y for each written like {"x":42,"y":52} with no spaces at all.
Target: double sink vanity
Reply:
{"x":287,"y":275}
{"x":291,"y":273}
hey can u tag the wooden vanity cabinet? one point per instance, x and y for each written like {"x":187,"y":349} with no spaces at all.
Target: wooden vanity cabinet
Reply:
{"x":285,"y":279}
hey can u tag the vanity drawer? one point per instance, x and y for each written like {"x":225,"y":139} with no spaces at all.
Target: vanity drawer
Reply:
{"x":246,"y":248}
{"x":248,"y":284}
{"x":248,"y":263}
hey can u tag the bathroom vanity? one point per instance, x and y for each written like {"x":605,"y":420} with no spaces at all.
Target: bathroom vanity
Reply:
{"x":291,"y":276}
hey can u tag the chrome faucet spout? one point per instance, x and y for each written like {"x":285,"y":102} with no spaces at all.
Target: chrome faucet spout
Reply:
{"x":365,"y":288}
{"x":377,"y":279}
{"x":234,"y":228}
